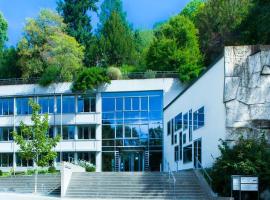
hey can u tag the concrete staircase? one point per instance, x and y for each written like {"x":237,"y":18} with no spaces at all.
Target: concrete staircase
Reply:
{"x":48,"y":184}
{"x":134,"y":185}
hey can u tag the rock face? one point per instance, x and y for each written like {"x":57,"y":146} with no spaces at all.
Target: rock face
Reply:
{"x":247,"y":88}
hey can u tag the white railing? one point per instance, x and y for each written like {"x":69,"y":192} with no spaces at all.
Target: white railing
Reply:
{"x":171,"y":177}
{"x":205,"y":174}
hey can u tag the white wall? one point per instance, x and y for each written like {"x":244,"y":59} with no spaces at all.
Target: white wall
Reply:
{"x":207,"y":92}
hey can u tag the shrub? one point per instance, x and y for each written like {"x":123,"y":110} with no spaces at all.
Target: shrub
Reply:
{"x":114,"y":73}
{"x":90,"y":79}
{"x":89,"y":167}
{"x":52,"y":169}
{"x":1,"y":173}
{"x":150,"y":74}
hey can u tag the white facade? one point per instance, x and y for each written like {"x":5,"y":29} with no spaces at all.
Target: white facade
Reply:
{"x":206,"y":92}
{"x":170,"y":87}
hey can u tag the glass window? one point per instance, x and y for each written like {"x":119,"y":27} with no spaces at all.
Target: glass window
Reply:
{"x":51,"y":132}
{"x":127,"y":131}
{"x":86,"y":132}
{"x":119,"y":131}
{"x":7,"y":106}
{"x":86,"y":104}
{"x":176,"y":153}
{"x":144,"y":103}
{"x":135,"y":131}
{"x":46,"y":104}
{"x":108,"y":131}
{"x":68,"y":156}
{"x":168,"y":127}
{"x":119,"y":104}
{"x":6,"y":159}
{"x":22,"y":162}
{"x":128,"y":103}
{"x":178,"y":122}
{"x":87,"y":156}
{"x":6,"y":134}
{"x":198,"y":118}
{"x":68,"y":132}
{"x":185,"y":121}
{"x":187,"y":154}
{"x":135,"y":103}
{"x":68,"y":104}
{"x":144,"y":131}
{"x":23,"y":107}
{"x":155,"y":102}
{"x":108,"y":104}
{"x":180,"y":145}
{"x":155,"y":131}
{"x":58,"y":104}
{"x":190,"y":125}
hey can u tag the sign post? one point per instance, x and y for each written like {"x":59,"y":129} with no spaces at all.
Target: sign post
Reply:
{"x":244,"y":183}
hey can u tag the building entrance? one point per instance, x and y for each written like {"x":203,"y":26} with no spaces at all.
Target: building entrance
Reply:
{"x":131,"y":161}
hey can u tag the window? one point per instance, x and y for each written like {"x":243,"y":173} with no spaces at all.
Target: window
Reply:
{"x":68,"y":156}
{"x":86,"y":132}
{"x":144,"y":103}
{"x":178,"y":122}
{"x":22,"y":162}
{"x":23,"y":107}
{"x":190,"y":125}
{"x":176,"y":153}
{"x":87,"y":156}
{"x":6,"y":159}
{"x":168,"y":127}
{"x":128,"y":103}
{"x":46,"y":104}
{"x":155,"y":103}
{"x":119,"y":104}
{"x":58,"y":104}
{"x":180,"y":145}
{"x":68,"y":104}
{"x":6,"y":134}
{"x":184,"y":138}
{"x":51,"y":132}
{"x":187,"y":154}
{"x":68,"y":132}
{"x":198,"y":118}
{"x":86,"y":104}
{"x":6,"y":106}
{"x":185,"y":121}
{"x":119,"y":131}
{"x":175,"y":139}
{"x":108,"y":131}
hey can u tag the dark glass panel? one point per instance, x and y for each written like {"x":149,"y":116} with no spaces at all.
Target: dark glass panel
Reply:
{"x":108,"y":104}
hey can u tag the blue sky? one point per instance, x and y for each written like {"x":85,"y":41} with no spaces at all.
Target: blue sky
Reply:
{"x":142,"y":14}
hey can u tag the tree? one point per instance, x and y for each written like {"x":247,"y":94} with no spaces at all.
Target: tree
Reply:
{"x":76,"y":16}
{"x":217,"y":22}
{"x":90,"y":79}
{"x":8,"y":64}
{"x":176,"y":48}
{"x":107,"y":8}
{"x":45,"y":45}
{"x":192,"y":9}
{"x":3,"y":31}
{"x":116,"y":42}
{"x":247,"y":157}
{"x":34,"y":141}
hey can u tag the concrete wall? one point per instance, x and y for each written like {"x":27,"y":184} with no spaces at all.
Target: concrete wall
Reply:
{"x":207,"y":92}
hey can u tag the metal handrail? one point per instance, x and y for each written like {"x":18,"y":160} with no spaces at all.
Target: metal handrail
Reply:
{"x":204,"y":172}
{"x":171,"y":175}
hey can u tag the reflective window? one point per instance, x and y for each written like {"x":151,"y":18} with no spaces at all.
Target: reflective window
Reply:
{"x":7,"y":106}
{"x":119,"y":104}
{"x":23,"y":107}
{"x":6,"y":133}
{"x":108,"y":132}
{"x":155,"y":103}
{"x":46,"y":104}
{"x":144,"y":103}
{"x":178,"y":122}
{"x":68,"y":132}
{"x":135,"y":103}
{"x":23,"y":162}
{"x":51,"y":132}
{"x":187,"y":154}
{"x":176,"y":153}
{"x":58,"y":104}
{"x":198,"y":118}
{"x":68,"y":156}
{"x":86,"y":132}
{"x":119,"y":131}
{"x":68,"y":104}
{"x":108,"y":104}
{"x":87,"y":156}
{"x":128,"y":103}
{"x":6,"y":159}
{"x":185,"y":121}
{"x":190,"y":125}
{"x":86,"y":104}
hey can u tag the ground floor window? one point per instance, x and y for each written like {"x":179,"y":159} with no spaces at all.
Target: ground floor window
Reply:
{"x":22,"y":162}
{"x":68,"y":156}
{"x":6,"y":159}
{"x":107,"y":161}
{"x":187,"y":154}
{"x":87,"y":156}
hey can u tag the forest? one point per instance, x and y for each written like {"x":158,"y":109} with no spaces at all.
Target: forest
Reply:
{"x":62,"y":45}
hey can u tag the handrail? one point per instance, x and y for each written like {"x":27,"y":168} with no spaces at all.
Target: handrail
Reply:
{"x":204,"y":172}
{"x":171,"y":175}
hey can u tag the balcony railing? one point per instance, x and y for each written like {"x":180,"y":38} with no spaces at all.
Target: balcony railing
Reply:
{"x":134,"y":75}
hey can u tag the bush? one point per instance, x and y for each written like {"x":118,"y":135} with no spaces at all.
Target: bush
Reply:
{"x":150,"y":74}
{"x":1,"y":173}
{"x":90,"y":79}
{"x":89,"y":167}
{"x":114,"y":73}
{"x":52,"y":169}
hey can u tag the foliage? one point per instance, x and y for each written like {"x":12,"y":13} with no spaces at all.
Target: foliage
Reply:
{"x":106,"y":10}
{"x":176,"y":47}
{"x":116,"y":42}
{"x":247,"y":157}
{"x":34,"y":141}
{"x":3,"y":31}
{"x":90,"y":79}
{"x":45,"y":45}
{"x":114,"y":73}
{"x":76,"y":16}
{"x":217,"y":22}
{"x":89,"y":167}
{"x":150,"y":74}
{"x":1,"y":173}
{"x":8,"y":63}
{"x":52,"y":169}
{"x":192,"y":9}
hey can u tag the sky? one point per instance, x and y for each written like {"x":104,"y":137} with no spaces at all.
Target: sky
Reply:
{"x":143,"y":14}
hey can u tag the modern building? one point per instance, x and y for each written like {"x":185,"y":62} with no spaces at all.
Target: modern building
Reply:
{"x":147,"y":124}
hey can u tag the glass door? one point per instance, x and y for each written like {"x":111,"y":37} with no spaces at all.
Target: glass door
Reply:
{"x":131,"y":161}
{"x":197,"y":151}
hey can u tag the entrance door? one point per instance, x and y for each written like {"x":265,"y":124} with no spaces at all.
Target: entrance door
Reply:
{"x":131,"y":161}
{"x":197,"y":151}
